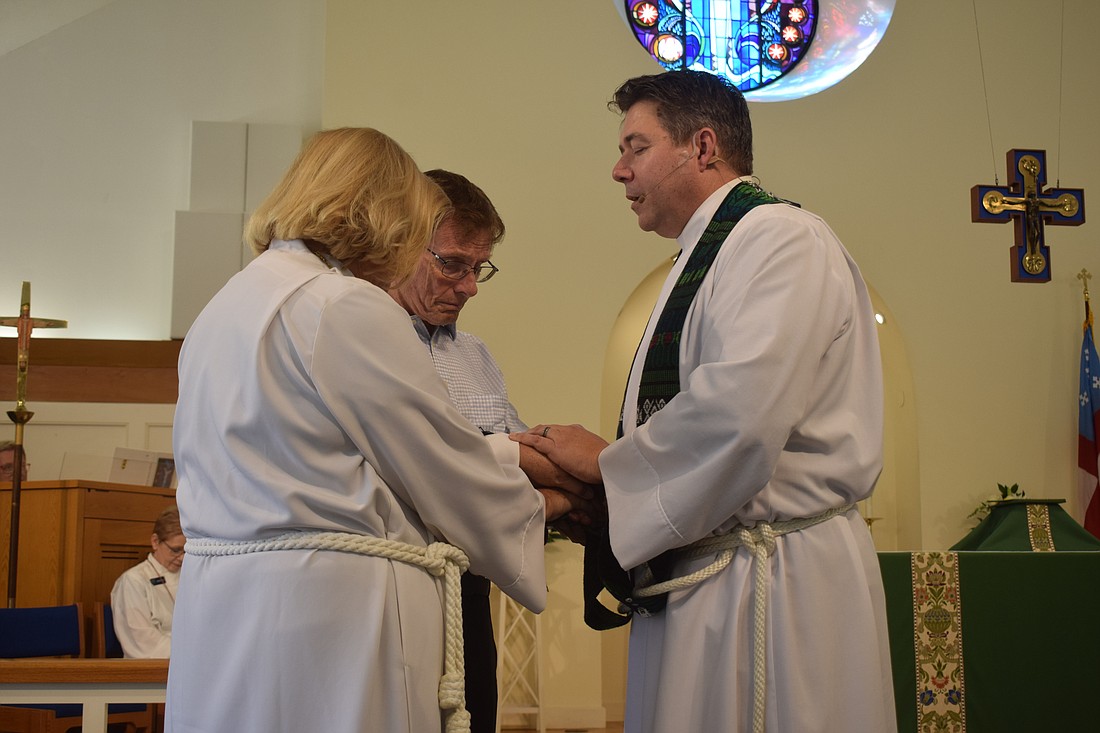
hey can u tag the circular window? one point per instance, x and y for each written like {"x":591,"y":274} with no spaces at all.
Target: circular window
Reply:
{"x":770,"y":50}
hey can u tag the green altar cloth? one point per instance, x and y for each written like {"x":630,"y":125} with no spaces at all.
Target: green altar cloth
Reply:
{"x":994,"y":642}
{"x":1028,"y":524}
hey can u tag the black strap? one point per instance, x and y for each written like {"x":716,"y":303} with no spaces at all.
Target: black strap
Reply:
{"x":602,"y":571}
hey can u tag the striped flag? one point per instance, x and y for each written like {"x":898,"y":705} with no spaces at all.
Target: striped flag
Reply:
{"x":1088,"y":422}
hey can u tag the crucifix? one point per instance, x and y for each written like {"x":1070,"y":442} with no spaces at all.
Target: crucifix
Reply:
{"x":1029,"y":206}
{"x":24,"y":324}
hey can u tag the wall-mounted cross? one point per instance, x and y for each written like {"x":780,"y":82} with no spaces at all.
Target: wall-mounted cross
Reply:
{"x":1029,"y":206}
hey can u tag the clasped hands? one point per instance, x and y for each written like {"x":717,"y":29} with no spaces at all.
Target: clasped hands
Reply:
{"x":562,"y":462}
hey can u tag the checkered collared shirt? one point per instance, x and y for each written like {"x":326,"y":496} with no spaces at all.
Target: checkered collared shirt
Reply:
{"x":473,"y":379}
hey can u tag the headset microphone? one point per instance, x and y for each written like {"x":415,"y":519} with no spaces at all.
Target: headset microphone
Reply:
{"x":641,"y":199}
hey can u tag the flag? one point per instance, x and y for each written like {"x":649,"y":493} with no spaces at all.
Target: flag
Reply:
{"x":1088,"y":427}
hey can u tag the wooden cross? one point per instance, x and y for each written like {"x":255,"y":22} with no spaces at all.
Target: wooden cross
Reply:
{"x":1025,"y":202}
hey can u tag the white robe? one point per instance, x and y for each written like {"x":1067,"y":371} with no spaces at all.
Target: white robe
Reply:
{"x":143,"y":611}
{"x":779,"y":417}
{"x":307,"y":403}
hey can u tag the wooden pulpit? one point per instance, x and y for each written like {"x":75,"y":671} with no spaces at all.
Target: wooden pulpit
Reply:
{"x":76,"y":537}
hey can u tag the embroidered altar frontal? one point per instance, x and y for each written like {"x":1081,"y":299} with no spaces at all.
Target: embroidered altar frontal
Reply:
{"x":1039,"y":525}
{"x":1000,"y":642}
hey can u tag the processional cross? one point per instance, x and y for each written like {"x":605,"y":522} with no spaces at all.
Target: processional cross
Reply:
{"x":21,"y":416}
{"x":1026,"y":202}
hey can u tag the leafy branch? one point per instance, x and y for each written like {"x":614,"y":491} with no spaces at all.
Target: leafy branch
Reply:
{"x":1004,"y":493}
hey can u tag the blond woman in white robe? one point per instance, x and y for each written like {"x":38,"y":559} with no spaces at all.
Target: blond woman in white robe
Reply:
{"x":307,"y":404}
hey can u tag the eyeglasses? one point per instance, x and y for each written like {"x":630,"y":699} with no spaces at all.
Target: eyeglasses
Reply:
{"x":171,"y":549}
{"x":458,"y":270}
{"x":7,"y":470}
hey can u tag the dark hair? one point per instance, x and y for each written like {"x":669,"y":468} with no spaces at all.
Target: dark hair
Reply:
{"x":471,"y":209}
{"x":686,"y":102}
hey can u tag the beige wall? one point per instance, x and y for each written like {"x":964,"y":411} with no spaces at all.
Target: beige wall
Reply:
{"x":97,"y":129}
{"x":515,"y":100}
{"x":95,"y":138}
{"x":984,"y":369}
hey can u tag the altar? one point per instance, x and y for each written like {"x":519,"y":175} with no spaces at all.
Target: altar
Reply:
{"x":986,"y":638}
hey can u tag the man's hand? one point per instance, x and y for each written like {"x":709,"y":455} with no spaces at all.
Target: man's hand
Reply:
{"x":573,"y":531}
{"x":571,"y":447}
{"x":561,"y":504}
{"x":545,"y":473}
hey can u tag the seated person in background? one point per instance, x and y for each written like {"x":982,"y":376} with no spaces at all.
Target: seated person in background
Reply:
{"x":7,"y":461}
{"x":144,"y":596}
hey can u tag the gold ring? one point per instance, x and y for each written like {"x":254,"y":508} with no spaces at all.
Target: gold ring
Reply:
{"x":545,"y":431}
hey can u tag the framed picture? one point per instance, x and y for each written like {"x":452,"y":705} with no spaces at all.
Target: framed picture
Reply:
{"x":165,"y":473}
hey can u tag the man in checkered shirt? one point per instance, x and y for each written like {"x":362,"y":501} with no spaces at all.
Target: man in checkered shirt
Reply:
{"x":456,"y":261}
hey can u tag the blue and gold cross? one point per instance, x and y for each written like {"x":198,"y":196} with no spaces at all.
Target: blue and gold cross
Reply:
{"x":1029,"y":206}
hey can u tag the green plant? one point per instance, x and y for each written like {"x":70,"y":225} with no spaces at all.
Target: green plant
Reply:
{"x":1004,"y":493}
{"x":553,"y":535}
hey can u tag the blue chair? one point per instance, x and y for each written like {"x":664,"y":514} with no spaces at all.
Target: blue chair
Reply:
{"x":53,"y":631}
{"x":107,"y":645}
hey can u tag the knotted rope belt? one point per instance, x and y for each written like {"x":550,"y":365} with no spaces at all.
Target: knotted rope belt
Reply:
{"x":760,"y":541}
{"x":438,"y":559}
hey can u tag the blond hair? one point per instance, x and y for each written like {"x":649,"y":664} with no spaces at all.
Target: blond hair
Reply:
{"x":355,"y":193}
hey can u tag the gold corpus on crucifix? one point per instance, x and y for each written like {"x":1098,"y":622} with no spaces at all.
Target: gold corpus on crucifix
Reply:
{"x":24,"y":324}
{"x":1025,"y":203}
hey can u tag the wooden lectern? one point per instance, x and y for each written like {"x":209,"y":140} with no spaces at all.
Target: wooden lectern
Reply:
{"x":76,"y":537}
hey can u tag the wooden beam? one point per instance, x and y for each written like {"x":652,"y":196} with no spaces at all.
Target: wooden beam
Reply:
{"x":90,"y":370}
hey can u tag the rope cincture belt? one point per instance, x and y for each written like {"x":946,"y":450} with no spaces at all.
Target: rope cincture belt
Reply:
{"x":760,"y":541}
{"x":438,"y":558}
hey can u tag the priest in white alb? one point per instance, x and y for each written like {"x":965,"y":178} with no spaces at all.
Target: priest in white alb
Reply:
{"x":752,"y":425}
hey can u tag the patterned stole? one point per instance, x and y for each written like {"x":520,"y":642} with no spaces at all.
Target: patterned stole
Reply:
{"x":660,"y":382}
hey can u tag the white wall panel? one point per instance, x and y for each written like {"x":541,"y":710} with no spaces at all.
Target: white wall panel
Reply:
{"x":77,"y":440}
{"x":219,"y":152}
{"x":207,"y":254}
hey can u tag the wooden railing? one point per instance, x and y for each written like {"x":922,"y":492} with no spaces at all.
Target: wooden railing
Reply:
{"x":92,"y":683}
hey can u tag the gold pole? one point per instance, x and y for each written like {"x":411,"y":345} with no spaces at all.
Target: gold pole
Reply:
{"x":21,"y":416}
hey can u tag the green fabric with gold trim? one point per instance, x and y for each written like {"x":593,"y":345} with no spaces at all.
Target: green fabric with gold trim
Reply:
{"x":1006,"y":529}
{"x":1027,"y":642}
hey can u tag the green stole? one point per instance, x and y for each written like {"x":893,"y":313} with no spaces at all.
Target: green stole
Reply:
{"x":660,"y":382}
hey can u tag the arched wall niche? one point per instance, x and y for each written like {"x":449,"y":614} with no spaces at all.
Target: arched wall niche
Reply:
{"x":895,"y":507}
